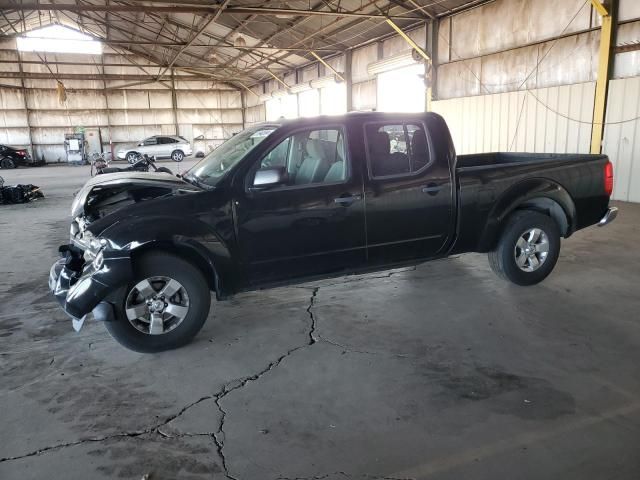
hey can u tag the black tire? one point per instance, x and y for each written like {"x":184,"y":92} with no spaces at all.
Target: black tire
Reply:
{"x":503,"y":259}
{"x":165,"y":170}
{"x":157,"y":264}
{"x":7,"y":163}
{"x":132,"y":157}
{"x":177,"y":156}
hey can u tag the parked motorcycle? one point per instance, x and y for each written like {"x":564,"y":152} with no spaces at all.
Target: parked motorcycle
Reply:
{"x":142,"y":163}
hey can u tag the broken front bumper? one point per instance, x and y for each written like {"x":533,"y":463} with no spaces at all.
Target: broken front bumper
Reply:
{"x":81,"y":288}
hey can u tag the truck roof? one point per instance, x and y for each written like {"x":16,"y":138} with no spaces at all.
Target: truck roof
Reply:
{"x":359,"y":116}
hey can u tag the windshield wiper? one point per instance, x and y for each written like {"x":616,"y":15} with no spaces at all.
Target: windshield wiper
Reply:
{"x":194,"y":181}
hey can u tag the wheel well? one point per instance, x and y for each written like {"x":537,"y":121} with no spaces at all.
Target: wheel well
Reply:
{"x":551,"y":208}
{"x":192,"y":256}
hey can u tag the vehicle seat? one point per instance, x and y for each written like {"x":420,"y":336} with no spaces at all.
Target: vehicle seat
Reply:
{"x":314,"y":167}
{"x":337,"y":171}
{"x":419,"y":149}
{"x":380,"y":147}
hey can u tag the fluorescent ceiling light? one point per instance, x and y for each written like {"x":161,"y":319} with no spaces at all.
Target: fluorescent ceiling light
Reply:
{"x":58,"y":39}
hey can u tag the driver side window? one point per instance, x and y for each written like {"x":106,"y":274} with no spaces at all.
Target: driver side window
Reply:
{"x":309,"y":157}
{"x":278,"y":156}
{"x":150,"y":141}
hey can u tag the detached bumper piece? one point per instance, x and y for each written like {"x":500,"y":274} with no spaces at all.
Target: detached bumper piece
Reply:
{"x":610,"y":216}
{"x":81,"y":289}
{"x":18,"y":193}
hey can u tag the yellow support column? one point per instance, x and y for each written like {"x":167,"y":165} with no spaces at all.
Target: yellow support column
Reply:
{"x":602,"y":84}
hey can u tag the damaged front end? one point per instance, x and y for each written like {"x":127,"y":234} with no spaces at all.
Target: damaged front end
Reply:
{"x":90,"y":280}
{"x":93,"y":271}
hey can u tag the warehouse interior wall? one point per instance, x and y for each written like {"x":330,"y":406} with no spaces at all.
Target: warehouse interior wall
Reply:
{"x":508,"y":75}
{"x":32,"y":115}
{"x":511,"y":75}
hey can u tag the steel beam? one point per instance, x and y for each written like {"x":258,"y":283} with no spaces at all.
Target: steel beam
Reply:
{"x":607,"y":35}
{"x":205,"y":23}
{"x":348,"y":73}
{"x":212,"y":9}
{"x":335,"y":72}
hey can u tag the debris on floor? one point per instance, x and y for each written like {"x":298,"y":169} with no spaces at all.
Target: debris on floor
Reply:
{"x":18,"y":193}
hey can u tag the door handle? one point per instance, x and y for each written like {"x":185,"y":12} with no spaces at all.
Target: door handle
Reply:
{"x":347,"y":200}
{"x":431,"y":189}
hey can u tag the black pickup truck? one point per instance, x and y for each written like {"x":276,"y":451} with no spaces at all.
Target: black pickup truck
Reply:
{"x":311,"y":198}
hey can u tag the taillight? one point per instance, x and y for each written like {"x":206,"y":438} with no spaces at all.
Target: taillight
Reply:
{"x":608,"y":178}
{"x":22,"y":153}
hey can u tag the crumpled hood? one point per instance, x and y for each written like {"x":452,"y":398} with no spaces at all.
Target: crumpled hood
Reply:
{"x":113,"y":191}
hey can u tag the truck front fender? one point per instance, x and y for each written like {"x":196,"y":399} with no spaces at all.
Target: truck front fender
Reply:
{"x":186,"y":237}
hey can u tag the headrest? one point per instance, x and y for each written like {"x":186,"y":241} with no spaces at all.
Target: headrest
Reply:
{"x":314,"y":149}
{"x":380,"y":144}
{"x":419,"y":143}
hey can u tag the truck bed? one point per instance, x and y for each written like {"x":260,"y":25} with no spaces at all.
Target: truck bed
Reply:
{"x":501,"y":158}
{"x":489,"y":181}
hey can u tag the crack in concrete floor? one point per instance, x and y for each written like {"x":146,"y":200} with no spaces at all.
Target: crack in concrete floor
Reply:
{"x":219,"y":436}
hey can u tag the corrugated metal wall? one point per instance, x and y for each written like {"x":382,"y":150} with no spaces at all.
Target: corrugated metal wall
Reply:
{"x":207,"y":113}
{"x":531,"y":121}
{"x":622,"y":137}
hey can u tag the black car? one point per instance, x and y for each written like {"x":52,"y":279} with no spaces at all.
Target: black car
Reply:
{"x":327,"y":196}
{"x":11,"y":157}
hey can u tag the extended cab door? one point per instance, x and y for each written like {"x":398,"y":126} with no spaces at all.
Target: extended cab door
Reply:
{"x":312,"y":223}
{"x":408,"y":193}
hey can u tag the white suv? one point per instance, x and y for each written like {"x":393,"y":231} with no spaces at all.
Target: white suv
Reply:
{"x":160,"y":146}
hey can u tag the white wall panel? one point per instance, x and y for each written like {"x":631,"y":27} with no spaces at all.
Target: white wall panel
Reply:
{"x":517,"y":121}
{"x":48,"y":100}
{"x":13,"y":118}
{"x":14,"y":136}
{"x":622,"y":137}
{"x":364,"y":95}
{"x":360,"y":60}
{"x":255,"y":114}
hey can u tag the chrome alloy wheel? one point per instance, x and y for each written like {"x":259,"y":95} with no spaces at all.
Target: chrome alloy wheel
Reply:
{"x":531,"y":250}
{"x":157,"y":305}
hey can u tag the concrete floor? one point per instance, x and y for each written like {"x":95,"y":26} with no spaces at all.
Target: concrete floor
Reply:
{"x":439,"y":372}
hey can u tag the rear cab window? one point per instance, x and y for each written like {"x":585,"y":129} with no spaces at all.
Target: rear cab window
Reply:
{"x":396,"y":149}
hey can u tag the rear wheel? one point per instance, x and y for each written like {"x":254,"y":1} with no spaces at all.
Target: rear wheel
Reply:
{"x":177,"y":156}
{"x":132,"y":157}
{"x":528,"y":249}
{"x":165,"y":170}
{"x":164,"y":307}
{"x":7,"y":163}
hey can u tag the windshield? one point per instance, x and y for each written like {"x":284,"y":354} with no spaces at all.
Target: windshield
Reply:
{"x":214,"y":166}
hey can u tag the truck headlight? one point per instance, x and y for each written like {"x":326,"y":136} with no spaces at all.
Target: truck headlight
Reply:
{"x":98,"y":260}
{"x":94,"y":246}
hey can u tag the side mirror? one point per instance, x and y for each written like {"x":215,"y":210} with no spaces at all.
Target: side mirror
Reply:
{"x":266,"y":178}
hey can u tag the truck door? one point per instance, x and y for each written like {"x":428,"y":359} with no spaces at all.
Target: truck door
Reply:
{"x":408,"y":193}
{"x":310,"y":224}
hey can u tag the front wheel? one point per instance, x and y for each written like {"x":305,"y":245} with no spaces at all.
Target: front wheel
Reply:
{"x":177,"y":156}
{"x":528,"y":248}
{"x":164,"y":307}
{"x":132,"y":157}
